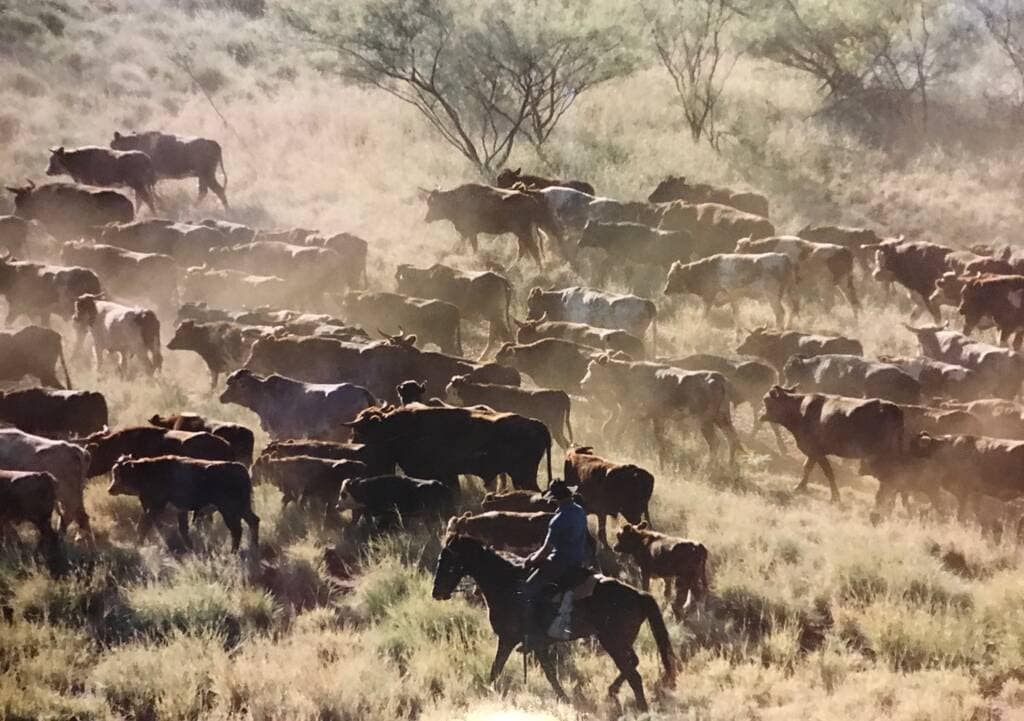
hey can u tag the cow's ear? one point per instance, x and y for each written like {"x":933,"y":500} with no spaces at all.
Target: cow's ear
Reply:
{"x":117,"y":135}
{"x":518,"y":171}
{"x":603,"y":359}
{"x":643,"y":525}
{"x":467,"y":514}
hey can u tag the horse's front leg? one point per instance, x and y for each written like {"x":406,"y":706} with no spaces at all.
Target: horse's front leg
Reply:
{"x":505,"y":646}
{"x":547,"y":664}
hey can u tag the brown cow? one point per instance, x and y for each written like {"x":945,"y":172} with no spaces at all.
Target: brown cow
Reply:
{"x":223,"y":345}
{"x":607,"y":339}
{"x":106,"y":447}
{"x":550,"y":362}
{"x":238,"y":436}
{"x":516,"y":502}
{"x":916,"y":265}
{"x":443,"y":443}
{"x":507,"y":178}
{"x":776,"y":347}
{"x":68,"y":211}
{"x":1000,"y":297}
{"x":640,"y":392}
{"x":32,"y":351}
{"x":682,"y":563}
{"x":376,"y":462}
{"x":551,"y":407}
{"x":505,"y":530}
{"x":607,"y":488}
{"x":432,"y":321}
{"x":475,"y":209}
{"x":30,"y":497}
{"x":307,"y":479}
{"x":675,"y":187}
{"x":54,"y":413}
{"x":824,"y":425}
{"x":715,"y":228}
{"x":179,"y":156}
{"x":104,"y":167}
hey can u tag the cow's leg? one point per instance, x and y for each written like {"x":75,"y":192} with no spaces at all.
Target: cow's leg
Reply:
{"x":602,"y":522}
{"x":777,"y":309}
{"x":885,"y":498}
{"x":183,"y":529}
{"x":831,"y":476}
{"x":217,"y":189}
{"x":146,"y":522}
{"x":234,"y":524}
{"x":253,"y":522}
{"x":143,"y":196}
{"x":808,"y":467}
{"x":203,"y":186}
{"x":660,"y":441}
{"x":707,"y":429}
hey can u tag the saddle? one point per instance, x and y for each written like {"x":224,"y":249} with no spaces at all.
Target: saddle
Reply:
{"x":576,"y":585}
{"x":581,"y":581}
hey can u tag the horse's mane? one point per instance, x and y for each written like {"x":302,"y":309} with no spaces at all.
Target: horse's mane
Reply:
{"x":505,"y":558}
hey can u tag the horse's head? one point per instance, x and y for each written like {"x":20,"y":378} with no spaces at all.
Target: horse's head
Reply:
{"x":450,"y":568}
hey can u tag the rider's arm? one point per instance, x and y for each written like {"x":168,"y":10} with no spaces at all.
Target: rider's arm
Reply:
{"x":545,"y":550}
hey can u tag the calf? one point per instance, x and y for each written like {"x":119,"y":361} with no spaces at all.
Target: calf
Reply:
{"x":433,"y":321}
{"x":594,"y":307}
{"x":291,"y":409}
{"x":517,"y":502}
{"x":240,"y":438}
{"x":504,"y":530}
{"x":149,"y":442}
{"x":188,"y":484}
{"x":54,"y":414}
{"x":607,"y":339}
{"x":32,"y":351}
{"x":823,"y":264}
{"x":727,"y":277}
{"x":305,"y":478}
{"x":607,"y":488}
{"x":851,"y":376}
{"x":66,"y":462}
{"x":682,"y":563}
{"x":776,"y":347}
{"x":395,"y":498}
{"x":551,"y":407}
{"x":120,"y":330}
{"x":824,"y":425}
{"x":30,"y":497}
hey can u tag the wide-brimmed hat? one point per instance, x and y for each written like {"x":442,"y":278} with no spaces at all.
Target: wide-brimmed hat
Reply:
{"x":558,"y":491}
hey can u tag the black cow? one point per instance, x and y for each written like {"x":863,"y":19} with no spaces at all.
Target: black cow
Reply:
{"x":69,"y":211}
{"x":389,"y":498}
{"x":103,"y":167}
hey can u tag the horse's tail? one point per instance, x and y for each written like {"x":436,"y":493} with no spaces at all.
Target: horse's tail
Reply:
{"x":654,"y":618}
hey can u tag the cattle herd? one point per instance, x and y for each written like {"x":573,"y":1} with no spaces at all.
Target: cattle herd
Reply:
{"x":385,"y":424}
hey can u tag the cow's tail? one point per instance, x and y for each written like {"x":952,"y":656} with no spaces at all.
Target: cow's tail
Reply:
{"x":549,"y":459}
{"x":654,"y":335}
{"x":661,"y":638}
{"x":547,"y":221}
{"x":568,"y":423}
{"x":220,"y":162}
{"x":458,"y":335}
{"x":63,"y":363}
{"x":851,"y":290}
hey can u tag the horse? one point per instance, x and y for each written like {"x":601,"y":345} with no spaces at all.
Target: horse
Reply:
{"x":613,"y":613}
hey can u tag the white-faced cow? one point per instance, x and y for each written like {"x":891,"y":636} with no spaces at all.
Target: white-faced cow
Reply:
{"x":121,"y":331}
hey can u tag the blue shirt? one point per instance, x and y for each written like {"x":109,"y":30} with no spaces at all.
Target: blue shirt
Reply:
{"x":567,"y":535}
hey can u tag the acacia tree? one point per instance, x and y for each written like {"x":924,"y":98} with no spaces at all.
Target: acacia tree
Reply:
{"x":876,"y":60}
{"x":1004,"y":20}
{"x":481,"y":74}
{"x":689,"y":37}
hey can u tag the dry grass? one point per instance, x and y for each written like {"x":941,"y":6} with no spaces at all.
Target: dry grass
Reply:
{"x":817,"y":612}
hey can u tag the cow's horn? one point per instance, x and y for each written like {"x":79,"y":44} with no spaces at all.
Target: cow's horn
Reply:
{"x":31,"y":183}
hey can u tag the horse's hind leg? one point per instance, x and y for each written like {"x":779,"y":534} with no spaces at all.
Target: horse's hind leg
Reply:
{"x":626,"y":661}
{"x":547,"y":663}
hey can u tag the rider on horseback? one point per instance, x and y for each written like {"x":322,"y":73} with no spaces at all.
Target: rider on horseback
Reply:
{"x":565,"y":549}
